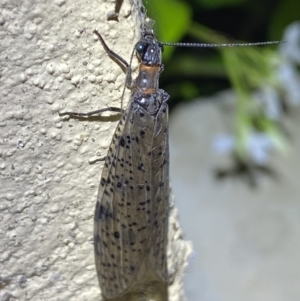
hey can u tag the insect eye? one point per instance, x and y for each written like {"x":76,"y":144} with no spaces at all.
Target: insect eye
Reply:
{"x":140,"y":47}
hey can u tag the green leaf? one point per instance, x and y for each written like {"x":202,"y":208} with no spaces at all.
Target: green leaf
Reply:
{"x":285,"y":13}
{"x":220,"y":3}
{"x":172,"y":20}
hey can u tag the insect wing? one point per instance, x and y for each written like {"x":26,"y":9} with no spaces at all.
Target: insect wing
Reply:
{"x":160,"y":194}
{"x":125,"y":212}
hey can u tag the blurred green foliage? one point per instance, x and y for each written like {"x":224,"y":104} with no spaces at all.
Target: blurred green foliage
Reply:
{"x":220,"y":3}
{"x":177,"y":22}
{"x":285,"y":13}
{"x":201,"y":70}
{"x":195,"y":72}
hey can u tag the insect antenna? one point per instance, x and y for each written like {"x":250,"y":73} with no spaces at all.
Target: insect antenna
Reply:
{"x":208,"y":45}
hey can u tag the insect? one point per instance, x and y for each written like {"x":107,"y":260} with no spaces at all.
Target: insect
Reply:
{"x":131,"y":215}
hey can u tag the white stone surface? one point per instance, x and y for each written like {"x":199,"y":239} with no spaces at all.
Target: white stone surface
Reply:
{"x":50,"y":61}
{"x":246,"y":240}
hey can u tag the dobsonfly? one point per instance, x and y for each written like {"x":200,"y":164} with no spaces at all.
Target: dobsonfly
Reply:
{"x":131,"y":215}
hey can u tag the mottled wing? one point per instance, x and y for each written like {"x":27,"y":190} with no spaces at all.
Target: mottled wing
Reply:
{"x":160,"y":195}
{"x":123,"y":212}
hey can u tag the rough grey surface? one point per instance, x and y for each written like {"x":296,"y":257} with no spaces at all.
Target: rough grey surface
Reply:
{"x":246,"y":240}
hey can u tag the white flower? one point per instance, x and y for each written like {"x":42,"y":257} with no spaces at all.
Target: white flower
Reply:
{"x":223,"y":143}
{"x":290,"y":49}
{"x":290,"y":79}
{"x":259,"y":146}
{"x":270,"y":100}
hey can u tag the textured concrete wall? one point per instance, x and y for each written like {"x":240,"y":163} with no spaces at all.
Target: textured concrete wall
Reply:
{"x":50,"y":60}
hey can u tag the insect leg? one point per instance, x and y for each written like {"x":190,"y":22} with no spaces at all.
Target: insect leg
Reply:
{"x":96,"y":112}
{"x":109,"y":51}
{"x":116,"y":58}
{"x":119,"y":60}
